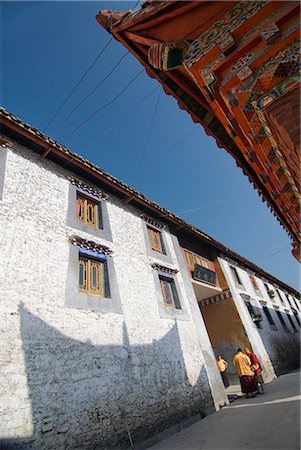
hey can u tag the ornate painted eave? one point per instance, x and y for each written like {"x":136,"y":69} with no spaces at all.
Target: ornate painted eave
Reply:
{"x":161,"y":26}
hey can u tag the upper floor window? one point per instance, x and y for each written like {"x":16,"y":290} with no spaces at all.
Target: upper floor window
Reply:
{"x":279,"y":295}
{"x":292,"y":323}
{"x":269,"y":316}
{"x":93,"y":277}
{"x":296,"y":303}
{"x":288,"y":299}
{"x":254,"y":284}
{"x":271,"y":293}
{"x":156,"y":240}
{"x":236,"y":276}
{"x":88,"y":210}
{"x":169,"y":292}
{"x":284,"y":326}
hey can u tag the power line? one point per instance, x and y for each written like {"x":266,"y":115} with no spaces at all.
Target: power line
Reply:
{"x":126,"y":114}
{"x":104,"y":106}
{"x":271,"y":254}
{"x":95,"y":89}
{"x":167,"y":152}
{"x":136,"y":4}
{"x":78,"y":83}
{"x":150,"y":129}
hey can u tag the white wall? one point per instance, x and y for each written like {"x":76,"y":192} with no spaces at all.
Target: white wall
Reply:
{"x":78,"y":377}
{"x":276,"y":348}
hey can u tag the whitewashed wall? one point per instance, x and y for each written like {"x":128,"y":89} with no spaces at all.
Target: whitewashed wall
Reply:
{"x":277,"y":349}
{"x":76,"y":378}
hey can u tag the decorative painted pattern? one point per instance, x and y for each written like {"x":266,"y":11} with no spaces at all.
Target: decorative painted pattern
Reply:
{"x":90,"y":245}
{"x":164,"y":269}
{"x":89,"y":189}
{"x":216,"y":298}
{"x":219,"y":33}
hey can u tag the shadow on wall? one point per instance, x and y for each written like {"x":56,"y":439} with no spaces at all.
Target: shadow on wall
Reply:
{"x":86,"y":396}
{"x":284,"y":351}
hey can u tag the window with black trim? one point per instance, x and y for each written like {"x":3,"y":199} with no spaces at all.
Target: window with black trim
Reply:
{"x":235,"y":276}
{"x":280,"y":297}
{"x":269,"y":316}
{"x":291,"y":322}
{"x":169,"y":292}
{"x":254,"y":316}
{"x":93,"y":276}
{"x":284,"y":326}
{"x":88,"y":210}
{"x":288,"y":299}
{"x":296,"y":303}
{"x":296,"y":316}
{"x":156,"y":240}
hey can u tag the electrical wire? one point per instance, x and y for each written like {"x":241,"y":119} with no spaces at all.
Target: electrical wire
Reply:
{"x":125,"y":115}
{"x":155,"y":161}
{"x":78,"y":83}
{"x":93,"y":90}
{"x":150,"y":129}
{"x":104,"y":106}
{"x":136,"y":4}
{"x":271,"y":254}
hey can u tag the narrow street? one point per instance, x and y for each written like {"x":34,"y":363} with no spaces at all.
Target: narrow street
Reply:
{"x":270,"y":421}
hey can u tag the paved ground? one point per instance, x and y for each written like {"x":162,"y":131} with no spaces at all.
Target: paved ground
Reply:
{"x":267,"y":422}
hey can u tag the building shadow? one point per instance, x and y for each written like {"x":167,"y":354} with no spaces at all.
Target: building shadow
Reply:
{"x":86,"y":396}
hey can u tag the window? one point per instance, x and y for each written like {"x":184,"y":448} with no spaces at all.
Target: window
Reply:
{"x":156,"y":240}
{"x":268,"y":316}
{"x":292,"y":323}
{"x":282,"y":320}
{"x":288,"y":299}
{"x":236,"y":276}
{"x":254,"y":284}
{"x":93,"y":276}
{"x":296,"y":303}
{"x":88,"y":211}
{"x":279,"y":295}
{"x":296,"y":317}
{"x":271,"y":293}
{"x":169,"y":292}
{"x":192,"y":259}
{"x":254,"y":316}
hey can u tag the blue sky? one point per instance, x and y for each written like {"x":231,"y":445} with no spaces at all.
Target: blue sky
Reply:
{"x":47,"y":47}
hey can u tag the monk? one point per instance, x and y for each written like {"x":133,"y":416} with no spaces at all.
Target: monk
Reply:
{"x":257,"y":370}
{"x":222,"y":367}
{"x":242,"y":363}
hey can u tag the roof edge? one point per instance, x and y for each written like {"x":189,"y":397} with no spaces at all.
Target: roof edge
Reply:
{"x":25,"y":131}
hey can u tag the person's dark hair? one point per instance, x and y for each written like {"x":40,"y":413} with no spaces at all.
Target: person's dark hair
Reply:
{"x":239,"y":350}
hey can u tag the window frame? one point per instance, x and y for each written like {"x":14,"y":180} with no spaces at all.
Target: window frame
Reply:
{"x":74,"y":298}
{"x":268,"y":316}
{"x":104,"y":291}
{"x":282,"y":321}
{"x":237,"y":280}
{"x":169,"y":281}
{"x":255,"y":285}
{"x":164,"y":257}
{"x":155,"y":231}
{"x":168,"y":312}
{"x":103,"y":217}
{"x":97,"y":210}
{"x":292,"y":323}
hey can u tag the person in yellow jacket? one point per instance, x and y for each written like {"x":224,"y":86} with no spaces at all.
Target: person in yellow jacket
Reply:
{"x":242,"y":364}
{"x":222,"y":367}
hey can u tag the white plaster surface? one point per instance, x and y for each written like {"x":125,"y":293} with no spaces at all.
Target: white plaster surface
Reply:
{"x":76,"y":378}
{"x":276,"y":348}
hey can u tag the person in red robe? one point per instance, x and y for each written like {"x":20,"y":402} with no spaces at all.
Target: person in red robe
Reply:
{"x":257,"y":369}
